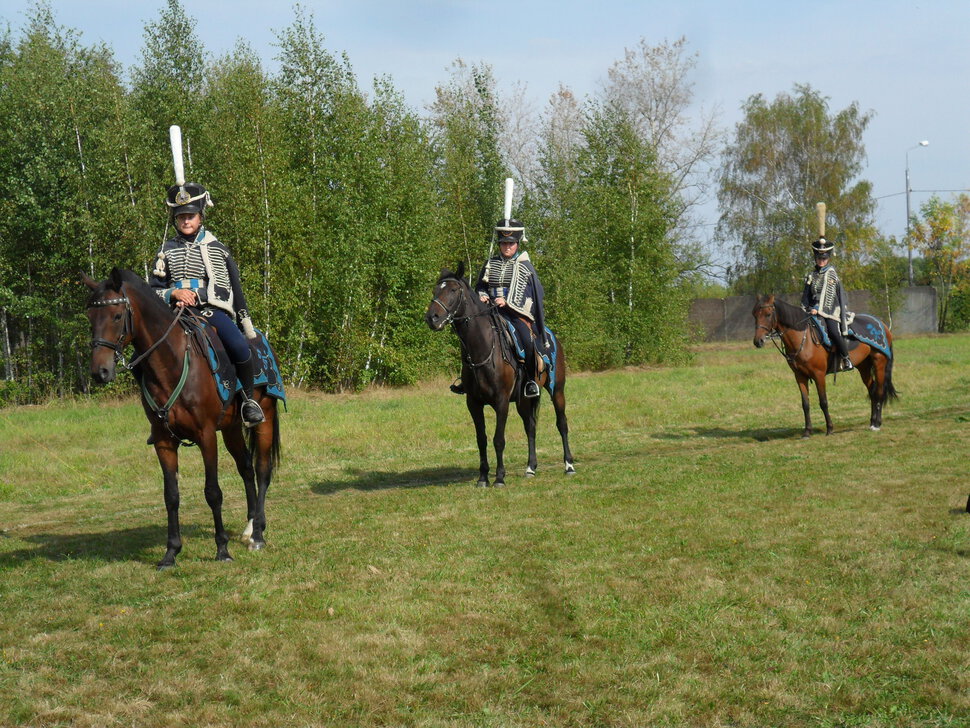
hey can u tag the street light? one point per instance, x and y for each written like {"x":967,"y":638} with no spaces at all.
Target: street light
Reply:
{"x":909,"y":243}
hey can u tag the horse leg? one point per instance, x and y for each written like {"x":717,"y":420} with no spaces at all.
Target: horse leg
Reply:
{"x":870,"y":374}
{"x":559,"y":404}
{"x":498,"y":441}
{"x":213,"y":493}
{"x":236,"y":445}
{"x":266,"y":438}
{"x":823,"y":402}
{"x":803,"y":388}
{"x":529,"y":412}
{"x":477,"y":410}
{"x":166,"y":450}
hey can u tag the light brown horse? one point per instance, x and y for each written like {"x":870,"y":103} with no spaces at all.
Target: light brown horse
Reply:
{"x":809,"y":360}
{"x":174,"y":370}
{"x":490,"y":376}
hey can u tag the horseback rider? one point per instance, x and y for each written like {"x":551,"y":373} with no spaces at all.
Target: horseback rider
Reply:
{"x":510,"y":282}
{"x":824,"y":296}
{"x":194,"y":269}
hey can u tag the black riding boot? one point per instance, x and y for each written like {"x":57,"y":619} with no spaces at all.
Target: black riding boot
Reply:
{"x":252,"y":413}
{"x":530,"y":388}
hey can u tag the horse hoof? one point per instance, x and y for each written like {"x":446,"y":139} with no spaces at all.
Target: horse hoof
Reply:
{"x":807,"y":434}
{"x":498,"y":484}
{"x":570,"y":470}
{"x":874,"y":428}
{"x":164,"y":566}
{"x":481,"y":484}
{"x":226,"y":558}
{"x":256,"y":545}
{"x":530,"y":473}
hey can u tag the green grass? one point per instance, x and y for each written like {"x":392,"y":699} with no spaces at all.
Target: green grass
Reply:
{"x":705,"y":567}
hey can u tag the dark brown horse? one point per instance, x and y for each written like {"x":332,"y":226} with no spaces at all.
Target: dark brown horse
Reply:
{"x":490,"y":375}
{"x":174,"y":370}
{"x":809,"y":360}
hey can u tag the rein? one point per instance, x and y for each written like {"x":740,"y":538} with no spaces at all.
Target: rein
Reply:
{"x":118,"y":348}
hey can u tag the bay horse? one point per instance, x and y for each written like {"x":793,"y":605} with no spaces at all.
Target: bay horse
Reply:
{"x":490,"y":374}
{"x":809,"y":360}
{"x":172,"y":368}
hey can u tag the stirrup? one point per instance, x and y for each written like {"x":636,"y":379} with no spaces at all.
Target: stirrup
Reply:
{"x":458,"y":387}
{"x":847,"y":364}
{"x":531,"y":389}
{"x":252,"y":413}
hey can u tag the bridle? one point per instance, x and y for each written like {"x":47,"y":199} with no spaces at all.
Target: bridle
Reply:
{"x":127,"y":331}
{"x":452,"y":318}
{"x":774,"y":334}
{"x":118,"y":346}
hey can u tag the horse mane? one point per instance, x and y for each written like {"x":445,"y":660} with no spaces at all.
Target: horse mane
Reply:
{"x":134,"y":282}
{"x":447,"y":275}
{"x":790,"y":316}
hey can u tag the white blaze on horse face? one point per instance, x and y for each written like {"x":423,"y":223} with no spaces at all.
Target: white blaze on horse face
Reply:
{"x":443,"y":284}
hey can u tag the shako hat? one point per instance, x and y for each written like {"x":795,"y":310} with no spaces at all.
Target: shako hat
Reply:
{"x":822,"y":246}
{"x":187,"y":198}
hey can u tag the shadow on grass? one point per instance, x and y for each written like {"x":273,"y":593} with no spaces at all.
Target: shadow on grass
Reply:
{"x":143,"y":543}
{"x":376,"y":480}
{"x":760,"y":434}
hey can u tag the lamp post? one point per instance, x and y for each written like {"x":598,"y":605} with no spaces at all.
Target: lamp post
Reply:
{"x":909,"y":242}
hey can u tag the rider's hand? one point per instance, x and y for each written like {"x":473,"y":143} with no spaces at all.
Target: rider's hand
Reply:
{"x":185,"y":297}
{"x":814,"y":312}
{"x":483,"y":298}
{"x":500,"y":301}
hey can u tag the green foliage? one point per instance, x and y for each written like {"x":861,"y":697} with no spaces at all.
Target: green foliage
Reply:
{"x":786,"y":156}
{"x":943,"y":235}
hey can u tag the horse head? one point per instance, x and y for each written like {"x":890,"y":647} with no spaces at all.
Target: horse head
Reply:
{"x":448,"y":298}
{"x":765,"y":319}
{"x":109,"y":312}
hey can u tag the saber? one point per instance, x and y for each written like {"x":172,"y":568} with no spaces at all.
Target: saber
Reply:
{"x":509,"y":184}
{"x":820,"y":209}
{"x":175,"y":137}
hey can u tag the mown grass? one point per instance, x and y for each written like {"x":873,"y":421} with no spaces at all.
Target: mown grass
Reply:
{"x":705,"y":566}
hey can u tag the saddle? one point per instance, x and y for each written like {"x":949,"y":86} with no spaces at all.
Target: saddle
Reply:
{"x":544,"y":360}
{"x":267,"y":373}
{"x":864,"y":329}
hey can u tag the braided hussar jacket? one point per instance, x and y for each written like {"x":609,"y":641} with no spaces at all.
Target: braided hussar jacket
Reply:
{"x":204,"y":265}
{"x":823,"y":291}
{"x":515,"y":279}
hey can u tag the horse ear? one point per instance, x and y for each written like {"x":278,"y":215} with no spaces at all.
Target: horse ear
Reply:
{"x":116,"y":279}
{"x":460,"y":273}
{"x":88,"y":281}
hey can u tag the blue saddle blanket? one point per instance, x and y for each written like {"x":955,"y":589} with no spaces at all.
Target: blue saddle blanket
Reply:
{"x":549,"y":358}
{"x":865,"y":328}
{"x":267,"y":373}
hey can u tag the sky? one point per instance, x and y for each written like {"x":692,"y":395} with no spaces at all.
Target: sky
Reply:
{"x":908,"y":62}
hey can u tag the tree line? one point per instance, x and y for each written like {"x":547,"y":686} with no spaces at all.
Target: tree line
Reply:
{"x":343,"y":204}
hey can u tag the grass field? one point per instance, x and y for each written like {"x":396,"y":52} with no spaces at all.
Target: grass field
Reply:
{"x":705,"y":567}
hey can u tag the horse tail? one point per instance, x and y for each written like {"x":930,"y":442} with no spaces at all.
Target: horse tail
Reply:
{"x":888,"y":390}
{"x":275,"y":451}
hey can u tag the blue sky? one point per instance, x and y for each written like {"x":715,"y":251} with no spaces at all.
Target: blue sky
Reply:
{"x":908,"y":62}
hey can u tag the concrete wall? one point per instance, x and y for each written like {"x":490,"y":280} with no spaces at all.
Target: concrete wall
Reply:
{"x":729,"y":319}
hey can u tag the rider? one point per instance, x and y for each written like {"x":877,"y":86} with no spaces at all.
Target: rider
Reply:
{"x":195,"y":269}
{"x":824,"y":296}
{"x":511,"y":283}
